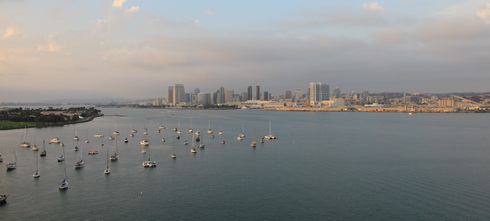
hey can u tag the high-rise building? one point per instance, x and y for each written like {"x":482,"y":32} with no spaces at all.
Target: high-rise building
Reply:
{"x":336,"y":92}
{"x":179,"y":94}
{"x":318,"y":92}
{"x":288,"y":94}
{"x":204,"y":99}
{"x":298,"y":94}
{"x":266,"y":95}
{"x":249,"y":93}
{"x":229,"y":96}
{"x":170,"y":95}
{"x":257,"y":92}
{"x":220,"y":99}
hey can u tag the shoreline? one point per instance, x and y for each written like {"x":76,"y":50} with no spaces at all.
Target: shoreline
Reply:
{"x":51,"y":124}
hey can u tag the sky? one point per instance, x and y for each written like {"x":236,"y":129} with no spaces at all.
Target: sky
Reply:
{"x":80,"y":49}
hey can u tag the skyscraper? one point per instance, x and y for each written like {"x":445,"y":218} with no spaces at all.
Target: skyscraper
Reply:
{"x":229,"y":96}
{"x":258,"y":92}
{"x":249,"y":93}
{"x":170,"y":95}
{"x":266,"y":95}
{"x":298,"y":94}
{"x":336,"y":92}
{"x":178,"y":94}
{"x":288,"y":94}
{"x":318,"y":92}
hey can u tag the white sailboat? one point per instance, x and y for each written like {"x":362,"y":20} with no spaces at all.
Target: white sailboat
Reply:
{"x":209,"y":127}
{"x":193,"y":149}
{"x":270,"y":136}
{"x":37,"y":174}
{"x":64,"y":183}
{"x":149,"y":163}
{"x":80,"y":163}
{"x":107,"y":171}
{"x":115,"y":156}
{"x":24,"y":143}
{"x":173,"y":150}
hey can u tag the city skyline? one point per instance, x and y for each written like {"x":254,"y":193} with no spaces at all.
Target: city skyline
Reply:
{"x":135,"y":49}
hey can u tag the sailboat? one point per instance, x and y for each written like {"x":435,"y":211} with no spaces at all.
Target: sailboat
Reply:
{"x":43,"y":153}
{"x":173,"y":149}
{"x":253,"y":144}
{"x":76,"y":138}
{"x":115,"y":156}
{"x":209,"y":127}
{"x":126,"y":140}
{"x":61,"y":158}
{"x":161,"y":125}
{"x":115,"y":130}
{"x":190,"y":126}
{"x":193,"y":149}
{"x":37,"y":174}
{"x":149,"y":163}
{"x":1,"y":159}
{"x":12,"y":165}
{"x":24,"y":143}
{"x":270,"y":136}
{"x":107,"y":171}
{"x":34,"y":148}
{"x":63,"y":184}
{"x":80,"y":163}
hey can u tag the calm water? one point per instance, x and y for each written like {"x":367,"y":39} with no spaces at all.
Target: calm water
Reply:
{"x":323,"y":166}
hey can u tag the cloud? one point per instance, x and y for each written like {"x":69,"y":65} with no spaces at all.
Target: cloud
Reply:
{"x":196,"y":21}
{"x":388,"y":35}
{"x":374,"y":6}
{"x":133,"y":9}
{"x":118,"y":3}
{"x":451,"y":29}
{"x":209,"y":12}
{"x":10,"y":31}
{"x":51,"y":45}
{"x":484,"y":13}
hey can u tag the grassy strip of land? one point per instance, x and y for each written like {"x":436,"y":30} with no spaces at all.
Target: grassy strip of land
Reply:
{"x":6,"y":123}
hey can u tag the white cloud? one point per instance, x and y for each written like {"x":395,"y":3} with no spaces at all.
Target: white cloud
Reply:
{"x":197,"y":21}
{"x":133,"y":9}
{"x":118,"y":3}
{"x":209,"y":12}
{"x":374,"y":6}
{"x":10,"y":31}
{"x":484,"y":13}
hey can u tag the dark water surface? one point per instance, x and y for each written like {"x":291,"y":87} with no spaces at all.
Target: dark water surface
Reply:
{"x":323,"y":166}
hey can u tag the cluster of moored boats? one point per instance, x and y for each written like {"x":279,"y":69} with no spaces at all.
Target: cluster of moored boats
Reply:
{"x":149,"y":163}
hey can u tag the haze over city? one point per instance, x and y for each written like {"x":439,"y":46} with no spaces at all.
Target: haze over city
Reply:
{"x":135,"y":49}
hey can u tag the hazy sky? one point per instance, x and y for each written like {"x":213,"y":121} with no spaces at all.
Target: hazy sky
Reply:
{"x":136,"y":49}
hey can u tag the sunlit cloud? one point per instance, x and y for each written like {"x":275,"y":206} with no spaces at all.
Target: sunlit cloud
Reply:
{"x":51,"y":45}
{"x":133,"y":9}
{"x":10,"y":31}
{"x":484,"y":13}
{"x":118,"y":3}
{"x":374,"y":6}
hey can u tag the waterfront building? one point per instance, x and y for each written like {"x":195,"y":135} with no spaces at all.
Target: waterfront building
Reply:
{"x":447,"y":102}
{"x":287,"y":95}
{"x":257,"y":93}
{"x":170,"y":95}
{"x":178,"y":94}
{"x":249,"y":93}
{"x":229,"y":96}
{"x":318,"y":92}
{"x":298,"y":94}
{"x":336,"y":92}
{"x":266,"y":95}
{"x":204,"y":99}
